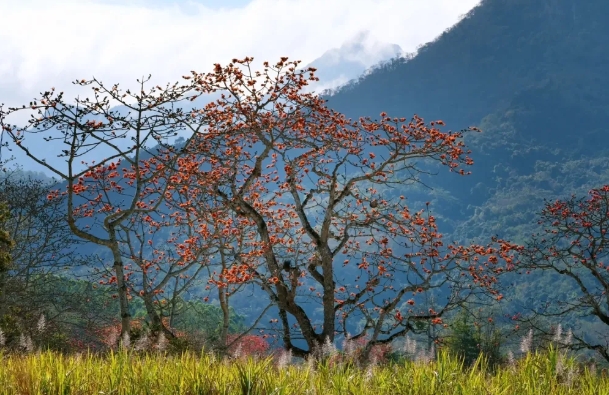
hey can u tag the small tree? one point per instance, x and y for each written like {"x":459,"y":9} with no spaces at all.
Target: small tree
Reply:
{"x":209,"y":229}
{"x":43,"y":249}
{"x":575,"y":246}
{"x":462,"y":339}
{"x":104,"y":195}
{"x":471,"y":336}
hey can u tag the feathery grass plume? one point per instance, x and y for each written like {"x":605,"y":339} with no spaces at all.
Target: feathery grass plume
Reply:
{"x":410,"y":347}
{"x":125,"y":341}
{"x":78,"y":357}
{"x":432,"y":353}
{"x":2,"y":339}
{"x":112,"y":338}
{"x":285,"y":357}
{"x":42,"y":324}
{"x":310,"y":363}
{"x":426,"y":357}
{"x":349,"y":346}
{"x":369,"y":373}
{"x":527,"y":342}
{"x":558,"y":334}
{"x":328,"y":349}
{"x":237,"y":353}
{"x":26,"y":343}
{"x":142,"y":344}
{"x":570,"y":377}
{"x":511,"y":359}
{"x":560,"y":365}
{"x":162,"y":342}
{"x":373,"y":361}
{"x":592,"y":367}
{"x":569,"y":338}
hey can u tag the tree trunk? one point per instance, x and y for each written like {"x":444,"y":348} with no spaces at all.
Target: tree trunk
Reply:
{"x":156,"y":321}
{"x":225,"y":317}
{"x":122,"y":286}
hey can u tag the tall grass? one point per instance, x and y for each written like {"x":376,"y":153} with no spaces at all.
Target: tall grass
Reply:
{"x":127,"y":372}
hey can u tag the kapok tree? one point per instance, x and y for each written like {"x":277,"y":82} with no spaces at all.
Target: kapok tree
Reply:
{"x":122,"y":183}
{"x":172,"y":250}
{"x":317,"y":197}
{"x":210,"y":232}
{"x":574,"y":245}
{"x":154,"y":246}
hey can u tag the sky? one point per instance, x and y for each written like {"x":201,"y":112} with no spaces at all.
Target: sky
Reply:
{"x":50,"y":43}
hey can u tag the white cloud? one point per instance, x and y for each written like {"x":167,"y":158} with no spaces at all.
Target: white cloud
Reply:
{"x":339,"y":65}
{"x":51,"y":43}
{"x":364,"y":48}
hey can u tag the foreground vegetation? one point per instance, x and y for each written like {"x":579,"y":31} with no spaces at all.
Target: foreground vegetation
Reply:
{"x":125,"y":372}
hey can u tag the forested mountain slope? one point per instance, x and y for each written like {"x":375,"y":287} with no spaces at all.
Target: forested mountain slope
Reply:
{"x":532,"y":75}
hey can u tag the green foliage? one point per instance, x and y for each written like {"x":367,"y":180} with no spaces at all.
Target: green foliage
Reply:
{"x":469,"y":340}
{"x":130,"y":373}
{"x":195,"y":316}
{"x":464,"y":339}
{"x":80,"y":311}
{"x":72,"y":311}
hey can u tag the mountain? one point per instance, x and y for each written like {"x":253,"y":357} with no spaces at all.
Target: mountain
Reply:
{"x":338,"y":66}
{"x":532,"y":75}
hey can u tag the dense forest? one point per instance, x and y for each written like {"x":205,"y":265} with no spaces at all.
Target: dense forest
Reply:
{"x":457,"y":196}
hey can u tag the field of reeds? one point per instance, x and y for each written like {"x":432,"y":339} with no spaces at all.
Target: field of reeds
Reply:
{"x":128,"y":372}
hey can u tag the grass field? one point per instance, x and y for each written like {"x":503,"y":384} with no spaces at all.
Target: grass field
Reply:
{"x":126,"y":372}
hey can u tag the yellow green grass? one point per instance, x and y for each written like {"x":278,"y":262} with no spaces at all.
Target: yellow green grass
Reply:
{"x":124,"y":372}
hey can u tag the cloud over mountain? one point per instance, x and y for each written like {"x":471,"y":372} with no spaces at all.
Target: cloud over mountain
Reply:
{"x":339,"y":65}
